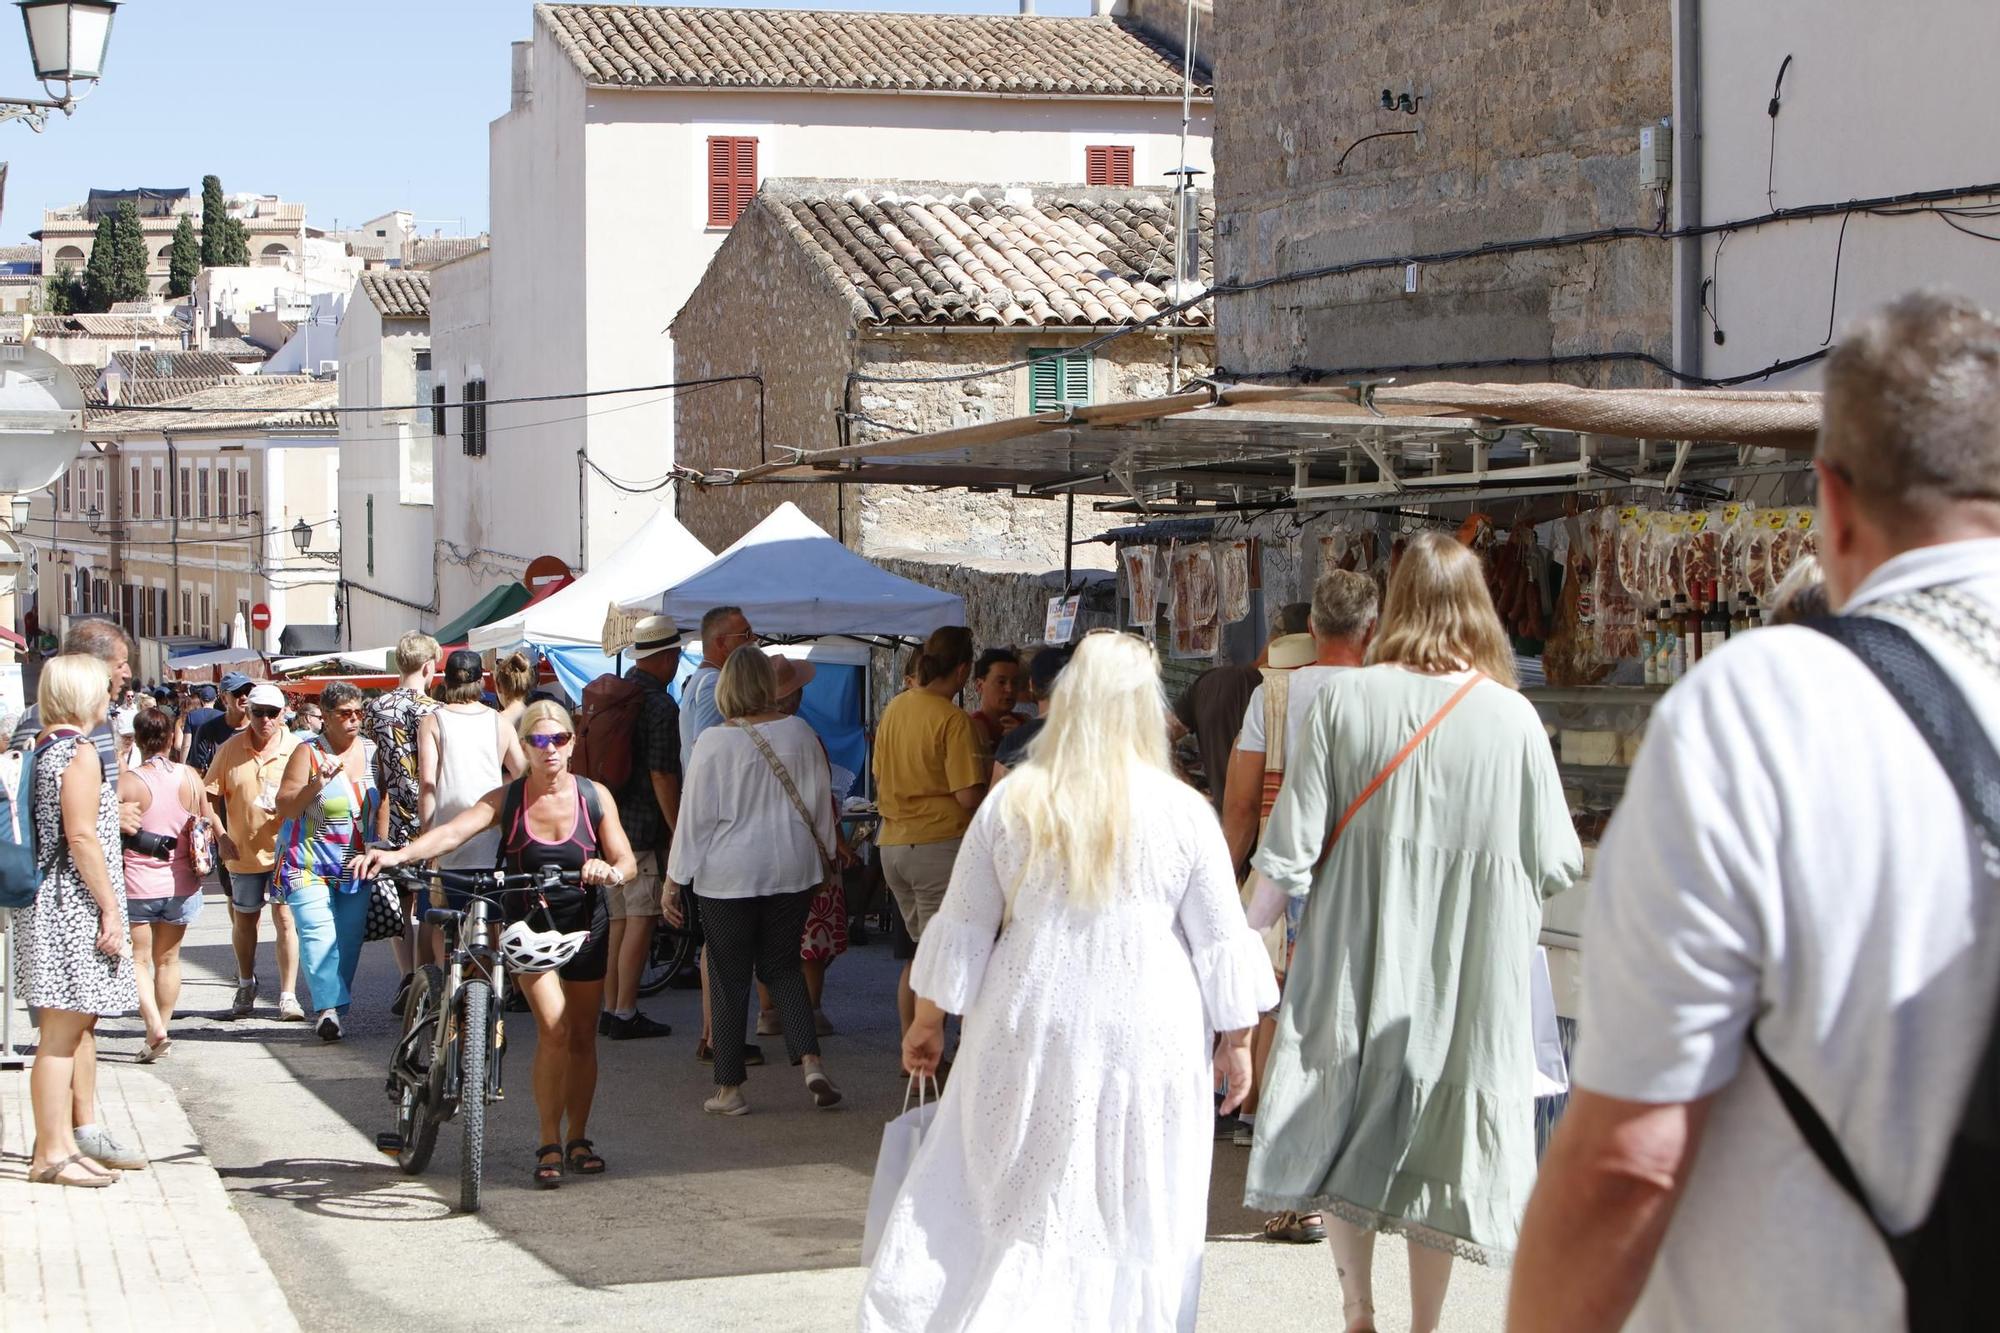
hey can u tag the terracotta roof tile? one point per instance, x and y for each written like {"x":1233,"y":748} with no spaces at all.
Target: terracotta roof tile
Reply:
{"x":106,"y":326}
{"x":234,"y":349}
{"x":645,"y":46}
{"x":171,"y":364}
{"x":399,"y":293}
{"x":242,"y":402}
{"x":1058,"y":256}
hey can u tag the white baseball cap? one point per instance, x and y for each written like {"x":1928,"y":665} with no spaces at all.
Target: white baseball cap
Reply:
{"x":266,"y":695}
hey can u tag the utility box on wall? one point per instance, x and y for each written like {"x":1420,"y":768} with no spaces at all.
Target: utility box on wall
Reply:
{"x":1656,"y":156}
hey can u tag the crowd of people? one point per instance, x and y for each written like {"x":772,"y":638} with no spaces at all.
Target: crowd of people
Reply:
{"x":1325,"y":956}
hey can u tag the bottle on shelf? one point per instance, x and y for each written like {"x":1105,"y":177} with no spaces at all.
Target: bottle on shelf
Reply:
{"x":1667,"y":643}
{"x":1688,"y":626}
{"x":1714,"y":624}
{"x":1649,"y":647}
{"x":1749,"y":617}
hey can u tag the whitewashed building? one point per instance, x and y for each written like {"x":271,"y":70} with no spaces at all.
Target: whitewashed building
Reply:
{"x":385,"y":456}
{"x":634,"y":138}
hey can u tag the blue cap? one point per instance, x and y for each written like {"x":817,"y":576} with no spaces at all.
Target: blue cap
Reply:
{"x":233,"y":681}
{"x":205,"y":693}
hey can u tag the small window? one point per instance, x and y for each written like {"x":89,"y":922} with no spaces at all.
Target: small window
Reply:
{"x":222,"y":495}
{"x":424,"y":394}
{"x":1107,"y":164}
{"x":64,"y":506}
{"x":187,"y":611}
{"x":472,"y":419}
{"x":100,"y":506}
{"x":1057,"y":380}
{"x":159,"y":488}
{"x":243,"y":493}
{"x":732,"y":178}
{"x":207,"y":621}
{"x":132,"y":505}
{"x":187,"y":493}
{"x":380,"y":233}
{"x":201,"y":494}
{"x":437,"y":410}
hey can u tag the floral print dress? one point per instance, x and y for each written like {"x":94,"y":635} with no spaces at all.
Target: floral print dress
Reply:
{"x":56,"y":960}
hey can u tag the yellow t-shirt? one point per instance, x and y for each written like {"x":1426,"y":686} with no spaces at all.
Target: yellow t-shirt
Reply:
{"x":924,"y":751}
{"x":239,"y":777}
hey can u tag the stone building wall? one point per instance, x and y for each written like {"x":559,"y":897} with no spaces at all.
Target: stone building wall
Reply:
{"x":1000,"y":527}
{"x":1531,"y":112}
{"x":762,"y":309}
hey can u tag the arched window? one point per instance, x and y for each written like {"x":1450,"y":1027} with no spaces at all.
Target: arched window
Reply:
{"x":275,"y":254}
{"x":69,"y":254}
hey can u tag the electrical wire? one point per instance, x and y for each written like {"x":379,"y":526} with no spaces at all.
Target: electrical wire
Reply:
{"x":1312,"y":374}
{"x":1771,"y":165}
{"x":570,"y":396}
{"x":1833,"y":303}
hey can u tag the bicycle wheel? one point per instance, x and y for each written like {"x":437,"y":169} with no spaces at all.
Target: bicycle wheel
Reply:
{"x":475,"y":1030}
{"x":418,"y":1111}
{"x":672,"y":953}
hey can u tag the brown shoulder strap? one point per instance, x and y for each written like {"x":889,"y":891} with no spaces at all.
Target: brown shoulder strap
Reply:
{"x":1395,"y":763}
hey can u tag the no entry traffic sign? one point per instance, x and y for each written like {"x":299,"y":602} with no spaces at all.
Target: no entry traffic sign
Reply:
{"x":260,"y":616}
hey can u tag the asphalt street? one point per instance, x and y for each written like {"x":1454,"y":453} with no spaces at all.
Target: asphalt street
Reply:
{"x":700,"y":1221}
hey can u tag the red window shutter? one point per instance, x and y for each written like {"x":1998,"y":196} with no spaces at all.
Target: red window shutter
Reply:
{"x":1097,"y":165}
{"x":732,"y":178}
{"x":1121,"y":164}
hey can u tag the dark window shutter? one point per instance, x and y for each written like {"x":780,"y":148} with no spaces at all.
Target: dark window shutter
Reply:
{"x":732,"y":178}
{"x":1107,"y":164}
{"x":437,"y":409}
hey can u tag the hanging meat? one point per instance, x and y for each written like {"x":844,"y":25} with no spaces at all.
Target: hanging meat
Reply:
{"x":1233,"y":573}
{"x":1142,"y":583}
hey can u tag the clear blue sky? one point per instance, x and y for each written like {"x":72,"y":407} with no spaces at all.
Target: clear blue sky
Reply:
{"x":352,"y":107}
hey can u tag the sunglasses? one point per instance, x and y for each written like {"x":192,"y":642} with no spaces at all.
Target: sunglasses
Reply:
{"x":350,"y":713}
{"x":554,"y":740}
{"x":267,"y":713}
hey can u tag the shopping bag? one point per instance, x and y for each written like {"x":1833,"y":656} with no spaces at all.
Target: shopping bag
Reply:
{"x":901,"y":1138}
{"x":1551,"y":1070}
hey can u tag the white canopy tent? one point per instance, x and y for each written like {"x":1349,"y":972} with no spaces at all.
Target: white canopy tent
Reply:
{"x":793,"y":580}
{"x":362,"y":661}
{"x":656,"y":555}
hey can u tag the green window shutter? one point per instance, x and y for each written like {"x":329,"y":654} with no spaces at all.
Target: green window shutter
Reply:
{"x":1055,"y":380}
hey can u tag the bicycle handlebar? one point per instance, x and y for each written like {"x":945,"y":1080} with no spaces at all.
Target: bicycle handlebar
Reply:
{"x":548,"y":877}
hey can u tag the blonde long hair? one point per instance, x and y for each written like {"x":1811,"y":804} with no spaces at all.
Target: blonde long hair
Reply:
{"x":1439,"y":616}
{"x":1072,"y":796}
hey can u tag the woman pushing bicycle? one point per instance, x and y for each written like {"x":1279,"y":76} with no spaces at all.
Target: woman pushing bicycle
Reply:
{"x":549,"y":818}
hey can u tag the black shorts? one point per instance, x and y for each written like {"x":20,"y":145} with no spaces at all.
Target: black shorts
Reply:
{"x":568,"y":910}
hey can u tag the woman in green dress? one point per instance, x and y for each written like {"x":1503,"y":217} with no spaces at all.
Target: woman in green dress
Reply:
{"x":1398,"y":1095}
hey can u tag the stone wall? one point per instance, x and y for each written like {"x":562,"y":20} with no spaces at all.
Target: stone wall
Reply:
{"x":762,"y":309}
{"x":1001,"y":527}
{"x":1530,"y":116}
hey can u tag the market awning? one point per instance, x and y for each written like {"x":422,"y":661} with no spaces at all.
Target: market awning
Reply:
{"x":297,"y":640}
{"x":1250,"y":445}
{"x":504,"y":600}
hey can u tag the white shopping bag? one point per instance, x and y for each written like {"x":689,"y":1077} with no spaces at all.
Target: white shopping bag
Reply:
{"x":901,"y":1138}
{"x":1551,"y":1070}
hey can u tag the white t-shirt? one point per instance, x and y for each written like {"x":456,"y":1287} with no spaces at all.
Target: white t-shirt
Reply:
{"x":739,"y":834}
{"x":1307,"y":681}
{"x":1790,"y":851}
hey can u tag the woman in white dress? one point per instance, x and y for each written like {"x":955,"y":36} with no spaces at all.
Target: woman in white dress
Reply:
{"x":1094,"y":941}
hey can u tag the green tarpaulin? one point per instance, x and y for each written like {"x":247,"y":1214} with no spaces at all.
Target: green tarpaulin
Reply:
{"x":503,"y":601}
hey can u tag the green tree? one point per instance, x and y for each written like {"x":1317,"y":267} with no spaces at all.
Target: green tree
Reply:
{"x":100,"y":276}
{"x":130,"y":256}
{"x":214,"y":213}
{"x":184,"y":262}
{"x":65,"y":291}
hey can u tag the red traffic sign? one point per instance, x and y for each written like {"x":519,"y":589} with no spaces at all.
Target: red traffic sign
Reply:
{"x":260,"y":616}
{"x":544,"y":569}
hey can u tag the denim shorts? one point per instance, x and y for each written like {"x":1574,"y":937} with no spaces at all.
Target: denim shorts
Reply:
{"x":179,"y":911}
{"x":246,"y":891}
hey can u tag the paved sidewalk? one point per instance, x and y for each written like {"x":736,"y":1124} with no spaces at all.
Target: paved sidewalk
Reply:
{"x":162,"y":1249}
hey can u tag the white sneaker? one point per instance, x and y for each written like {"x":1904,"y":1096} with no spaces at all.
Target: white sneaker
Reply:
{"x":329,"y":1028}
{"x":289,"y":1009}
{"x":102,"y":1146}
{"x":727,"y":1101}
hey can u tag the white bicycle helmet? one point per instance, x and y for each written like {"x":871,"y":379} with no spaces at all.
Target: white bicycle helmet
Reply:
{"x":530,"y":950}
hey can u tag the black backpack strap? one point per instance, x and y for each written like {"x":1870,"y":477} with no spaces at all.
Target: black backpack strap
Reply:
{"x":510,"y":810}
{"x":593,"y":805}
{"x":1939,"y":711}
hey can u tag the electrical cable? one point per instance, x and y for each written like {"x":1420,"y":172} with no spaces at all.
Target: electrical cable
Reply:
{"x":433,"y":406}
{"x":1833,"y":303}
{"x":1771,"y":165}
{"x":1312,"y":374}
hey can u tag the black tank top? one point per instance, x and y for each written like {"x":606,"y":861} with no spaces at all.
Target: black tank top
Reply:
{"x":523,"y":853}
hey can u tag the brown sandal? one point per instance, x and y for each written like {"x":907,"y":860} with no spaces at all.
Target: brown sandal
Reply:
{"x":53,"y":1175}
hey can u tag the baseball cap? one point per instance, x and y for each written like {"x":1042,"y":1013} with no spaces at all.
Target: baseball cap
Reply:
{"x":263,"y":694}
{"x":463,"y":667}
{"x":232,"y":681}
{"x":205,"y":693}
{"x":1044,"y":667}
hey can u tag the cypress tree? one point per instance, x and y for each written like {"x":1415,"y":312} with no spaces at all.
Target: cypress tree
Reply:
{"x":129,"y":282}
{"x":214,"y":214}
{"x":185,"y":260}
{"x":100,"y":276}
{"x":233,"y":250}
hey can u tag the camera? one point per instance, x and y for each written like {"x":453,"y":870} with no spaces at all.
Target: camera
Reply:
{"x":159,"y":846}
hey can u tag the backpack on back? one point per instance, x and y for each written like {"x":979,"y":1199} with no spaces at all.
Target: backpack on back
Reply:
{"x":1946,"y":1259}
{"x":607,"y":725}
{"x":20,"y":876}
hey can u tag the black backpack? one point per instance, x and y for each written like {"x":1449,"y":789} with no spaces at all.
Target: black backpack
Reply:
{"x":1947,"y":1260}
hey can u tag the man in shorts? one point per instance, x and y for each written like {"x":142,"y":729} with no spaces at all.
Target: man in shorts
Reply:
{"x":243,"y":782}
{"x":647,"y":806}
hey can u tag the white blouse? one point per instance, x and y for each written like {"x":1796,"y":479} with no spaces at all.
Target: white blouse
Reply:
{"x":739,"y":835}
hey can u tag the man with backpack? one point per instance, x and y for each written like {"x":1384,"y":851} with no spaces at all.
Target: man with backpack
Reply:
{"x":1793,"y":944}
{"x":629,"y":740}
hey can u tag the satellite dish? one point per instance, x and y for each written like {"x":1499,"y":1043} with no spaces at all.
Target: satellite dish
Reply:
{"x":41,"y":418}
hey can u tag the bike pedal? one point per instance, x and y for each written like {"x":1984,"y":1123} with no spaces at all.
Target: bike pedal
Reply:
{"x":389,"y":1144}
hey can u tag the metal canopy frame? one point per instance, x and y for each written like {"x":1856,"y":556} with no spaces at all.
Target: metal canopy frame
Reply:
{"x":1226,"y":448}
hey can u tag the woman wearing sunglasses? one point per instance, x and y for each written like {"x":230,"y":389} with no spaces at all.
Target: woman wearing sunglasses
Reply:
{"x":549,"y":818}
{"x":330,"y":806}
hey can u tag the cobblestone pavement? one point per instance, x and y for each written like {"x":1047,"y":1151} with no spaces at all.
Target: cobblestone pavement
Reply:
{"x":164,"y":1248}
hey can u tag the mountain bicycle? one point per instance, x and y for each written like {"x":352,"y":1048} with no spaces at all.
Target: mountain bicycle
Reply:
{"x":447,"y":1064}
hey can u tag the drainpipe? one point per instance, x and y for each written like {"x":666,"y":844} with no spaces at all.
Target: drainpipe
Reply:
{"x":1687,"y":188}
{"x":173,"y":480}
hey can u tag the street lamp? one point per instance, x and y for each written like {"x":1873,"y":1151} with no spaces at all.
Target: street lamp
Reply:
{"x":66,"y":41}
{"x":20,"y":506}
{"x":302,"y":536}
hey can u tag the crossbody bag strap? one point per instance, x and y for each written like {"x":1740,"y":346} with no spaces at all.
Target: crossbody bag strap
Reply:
{"x":1396,"y":762}
{"x":1939,"y":711}
{"x":785,"y":781}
